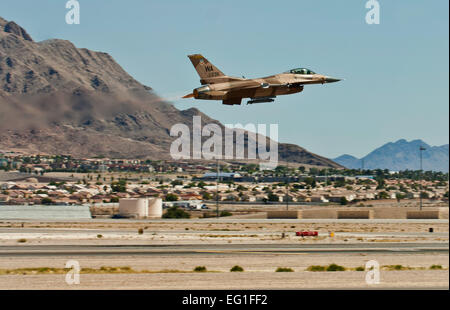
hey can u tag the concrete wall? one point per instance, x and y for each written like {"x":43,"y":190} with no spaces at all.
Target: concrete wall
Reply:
{"x":361,"y":213}
{"x":424,"y":214}
{"x":443,"y":213}
{"x":389,"y":213}
{"x":318,"y":214}
{"x":409,"y":213}
{"x":283,"y":214}
{"x":354,"y":214}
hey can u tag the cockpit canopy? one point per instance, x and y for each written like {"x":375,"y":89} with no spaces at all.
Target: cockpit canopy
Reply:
{"x":301,"y":71}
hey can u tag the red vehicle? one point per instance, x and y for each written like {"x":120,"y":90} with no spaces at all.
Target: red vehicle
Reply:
{"x":307,"y":233}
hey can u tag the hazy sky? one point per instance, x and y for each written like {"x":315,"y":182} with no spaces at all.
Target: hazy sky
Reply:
{"x":396,"y":72}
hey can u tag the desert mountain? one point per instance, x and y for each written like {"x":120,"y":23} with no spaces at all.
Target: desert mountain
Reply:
{"x":401,"y":155}
{"x":59,"y":99}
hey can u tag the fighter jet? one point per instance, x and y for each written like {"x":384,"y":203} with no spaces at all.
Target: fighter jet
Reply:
{"x":231,"y":90}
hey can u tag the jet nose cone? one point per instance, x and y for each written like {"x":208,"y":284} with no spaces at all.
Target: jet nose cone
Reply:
{"x":330,"y":79}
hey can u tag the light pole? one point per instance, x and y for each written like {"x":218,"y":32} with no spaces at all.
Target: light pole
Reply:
{"x":421,"y":149}
{"x":217,"y":190}
{"x":287,"y":188}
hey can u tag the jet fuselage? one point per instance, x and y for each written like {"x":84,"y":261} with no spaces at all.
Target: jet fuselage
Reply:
{"x":231,"y":90}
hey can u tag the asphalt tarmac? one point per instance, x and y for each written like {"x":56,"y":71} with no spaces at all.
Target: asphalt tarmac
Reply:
{"x":125,"y":231}
{"x":222,"y":249}
{"x":225,"y":220}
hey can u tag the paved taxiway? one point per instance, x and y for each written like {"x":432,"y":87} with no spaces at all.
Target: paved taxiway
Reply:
{"x":235,"y":249}
{"x":71,"y":231}
{"x":225,"y":220}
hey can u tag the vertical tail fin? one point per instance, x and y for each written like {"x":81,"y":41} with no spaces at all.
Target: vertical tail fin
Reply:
{"x":206,"y":70}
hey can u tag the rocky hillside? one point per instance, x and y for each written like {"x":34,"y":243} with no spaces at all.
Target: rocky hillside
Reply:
{"x":59,"y":99}
{"x":401,"y":155}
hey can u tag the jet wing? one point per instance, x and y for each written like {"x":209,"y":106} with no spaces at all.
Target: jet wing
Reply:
{"x":264,"y":85}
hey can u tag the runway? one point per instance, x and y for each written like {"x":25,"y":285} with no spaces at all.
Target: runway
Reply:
{"x":226,"y":220}
{"x":222,"y":249}
{"x":85,"y":231}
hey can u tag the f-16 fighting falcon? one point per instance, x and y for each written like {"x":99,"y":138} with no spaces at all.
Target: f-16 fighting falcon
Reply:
{"x":231,"y":90}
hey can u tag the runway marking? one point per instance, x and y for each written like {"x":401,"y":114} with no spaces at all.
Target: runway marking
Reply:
{"x":248,"y":252}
